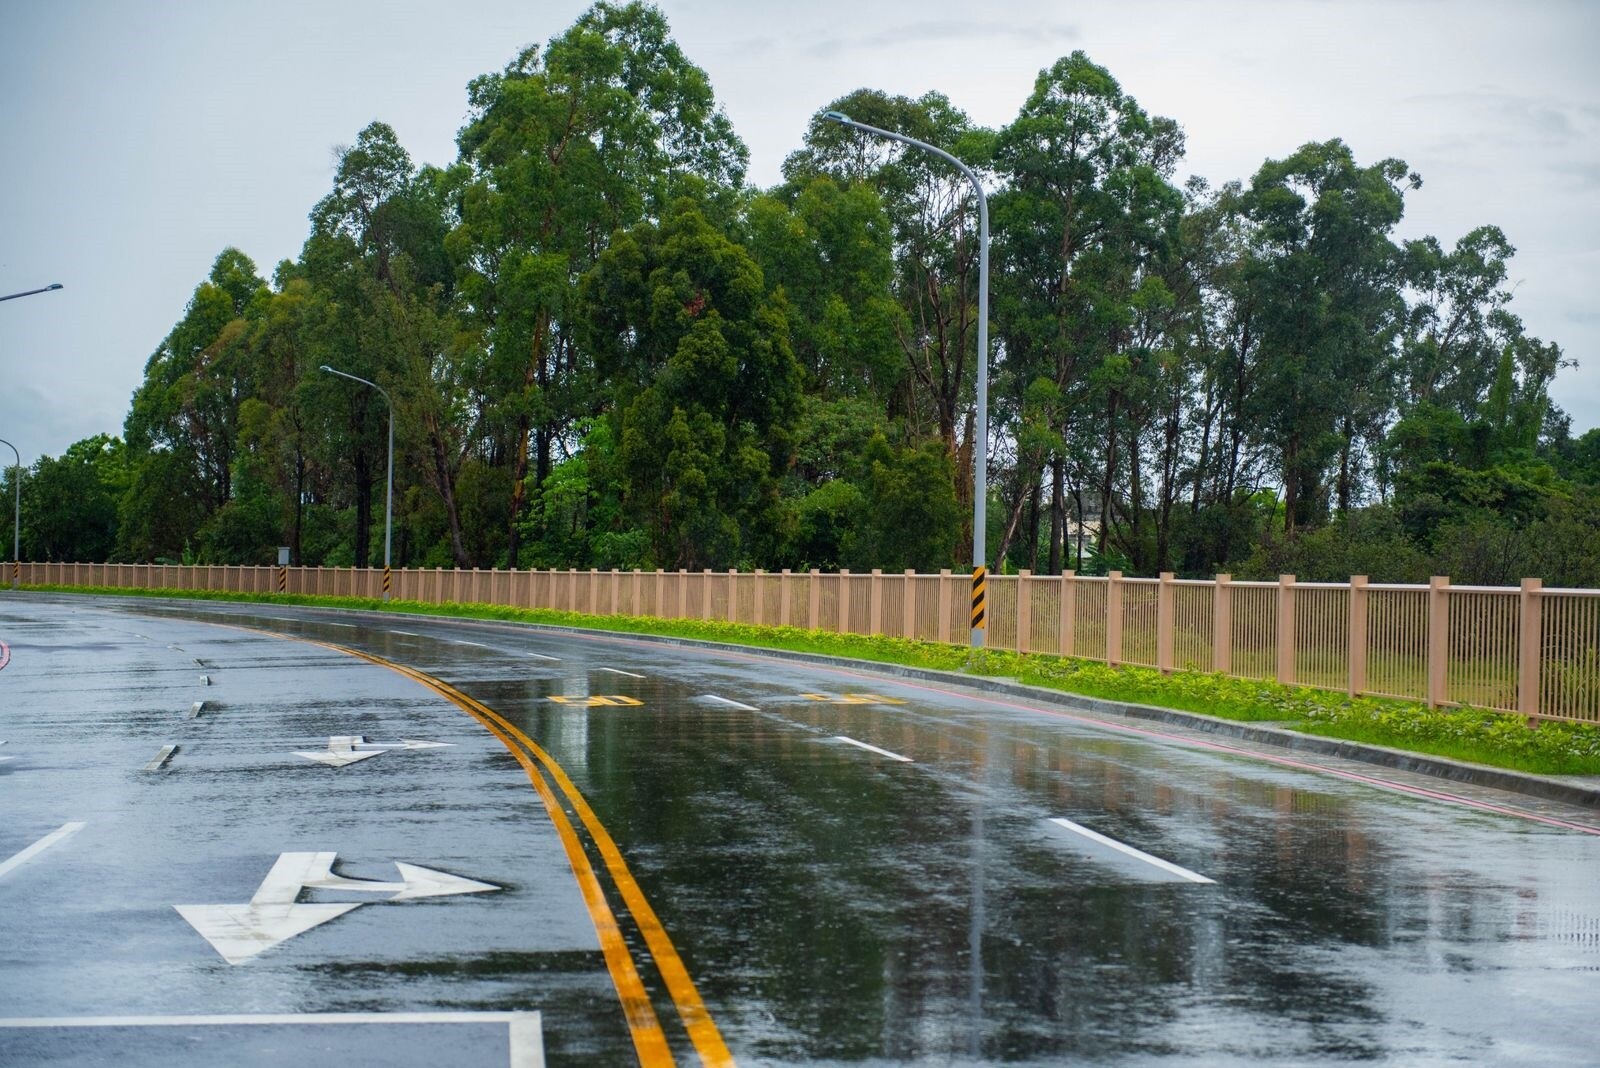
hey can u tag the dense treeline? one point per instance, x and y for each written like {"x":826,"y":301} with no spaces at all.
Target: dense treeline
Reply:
{"x":604,"y":349}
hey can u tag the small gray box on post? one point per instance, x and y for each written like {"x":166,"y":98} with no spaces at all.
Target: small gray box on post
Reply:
{"x":283,"y":556}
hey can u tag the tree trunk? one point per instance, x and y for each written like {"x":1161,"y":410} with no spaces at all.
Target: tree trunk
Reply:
{"x":1058,"y":515}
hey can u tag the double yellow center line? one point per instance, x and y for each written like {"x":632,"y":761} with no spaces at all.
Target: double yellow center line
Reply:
{"x":643,"y":1024}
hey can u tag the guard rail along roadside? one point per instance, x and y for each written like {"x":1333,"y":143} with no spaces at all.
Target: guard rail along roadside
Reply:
{"x":1526,"y":650}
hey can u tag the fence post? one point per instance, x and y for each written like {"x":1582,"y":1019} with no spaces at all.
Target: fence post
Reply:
{"x":844,"y":600}
{"x":756,"y":599}
{"x":875,"y":602}
{"x":1222,"y":625}
{"x":785,"y":599}
{"x":908,"y":604}
{"x":1024,"y":609}
{"x":944,"y":604}
{"x":1286,"y":629}
{"x":1357,"y":655}
{"x":814,"y":599}
{"x":705,"y":593}
{"x":1113,"y":617}
{"x":1438,"y":640}
{"x":1529,"y":647}
{"x":1165,"y":624}
{"x":733,"y":596}
{"x":1069,"y":610}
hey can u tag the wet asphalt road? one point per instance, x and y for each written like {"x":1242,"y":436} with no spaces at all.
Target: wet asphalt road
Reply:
{"x":852,"y":869}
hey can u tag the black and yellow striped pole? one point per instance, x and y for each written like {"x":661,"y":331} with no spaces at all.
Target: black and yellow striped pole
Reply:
{"x":283,"y":580}
{"x":388,"y":581}
{"x":980,"y":595}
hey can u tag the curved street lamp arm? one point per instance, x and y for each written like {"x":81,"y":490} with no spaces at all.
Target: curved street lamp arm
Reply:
{"x":30,"y":292}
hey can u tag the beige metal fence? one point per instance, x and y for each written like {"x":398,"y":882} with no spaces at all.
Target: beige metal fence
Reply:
{"x":1527,"y":650}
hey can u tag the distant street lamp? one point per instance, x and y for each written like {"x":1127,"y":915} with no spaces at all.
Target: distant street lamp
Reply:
{"x":30,"y":292}
{"x":980,"y":451}
{"x":16,"y":520}
{"x":388,"y":497}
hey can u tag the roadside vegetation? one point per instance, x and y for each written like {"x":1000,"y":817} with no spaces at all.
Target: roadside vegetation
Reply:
{"x":1476,"y":735}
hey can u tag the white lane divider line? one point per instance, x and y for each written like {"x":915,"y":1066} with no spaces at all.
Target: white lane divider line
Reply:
{"x":407,"y":633}
{"x":730,"y":704}
{"x":163,"y":755}
{"x":66,"y":830}
{"x":871,"y":748}
{"x":619,"y":671}
{"x":331,"y":623}
{"x":475,"y":645}
{"x":526,"y":1030}
{"x":541,"y":656}
{"x":1120,"y":847}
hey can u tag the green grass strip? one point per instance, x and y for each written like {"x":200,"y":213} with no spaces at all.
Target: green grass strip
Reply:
{"x":1476,"y":735}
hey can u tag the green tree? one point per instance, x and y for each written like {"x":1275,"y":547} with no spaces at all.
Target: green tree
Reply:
{"x":69,"y":505}
{"x":560,"y":149}
{"x":704,"y":388}
{"x":1325,"y":273}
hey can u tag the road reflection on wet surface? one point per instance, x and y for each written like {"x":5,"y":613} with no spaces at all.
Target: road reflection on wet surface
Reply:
{"x":835,"y":904}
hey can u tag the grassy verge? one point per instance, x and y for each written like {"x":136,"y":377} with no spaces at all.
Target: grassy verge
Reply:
{"x":1470,"y":734}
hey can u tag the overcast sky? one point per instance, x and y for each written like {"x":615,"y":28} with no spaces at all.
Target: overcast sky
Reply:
{"x":139,"y":139}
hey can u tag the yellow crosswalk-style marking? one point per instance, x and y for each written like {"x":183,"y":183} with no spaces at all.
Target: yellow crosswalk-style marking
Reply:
{"x":597,"y":700}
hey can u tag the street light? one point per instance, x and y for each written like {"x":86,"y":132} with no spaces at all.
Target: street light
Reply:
{"x":980,"y":451}
{"x":388,"y":497}
{"x":31,"y":292}
{"x":16,"y":520}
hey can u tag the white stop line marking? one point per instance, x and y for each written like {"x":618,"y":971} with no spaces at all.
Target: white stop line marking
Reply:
{"x":526,"y":1032}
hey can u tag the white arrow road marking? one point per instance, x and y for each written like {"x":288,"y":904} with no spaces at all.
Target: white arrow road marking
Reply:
{"x":348,"y":748}
{"x":338,"y":758}
{"x":239,"y":932}
{"x":1120,"y":847}
{"x":418,"y":881}
{"x":64,"y":831}
{"x":871,"y":748}
{"x":725,"y":701}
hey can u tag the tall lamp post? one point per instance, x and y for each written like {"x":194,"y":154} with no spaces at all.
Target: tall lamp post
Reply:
{"x":980,"y":451}
{"x":16,"y":520}
{"x":388,"y":496}
{"x":30,"y":292}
